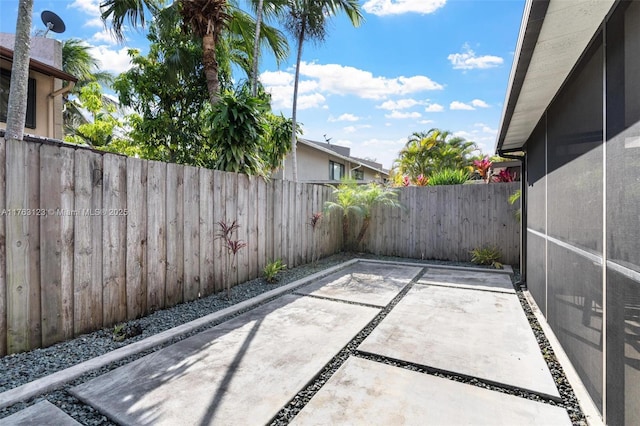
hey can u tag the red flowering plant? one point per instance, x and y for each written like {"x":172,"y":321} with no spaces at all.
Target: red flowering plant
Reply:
{"x":482,"y":167}
{"x":422,"y":180}
{"x":505,"y":176}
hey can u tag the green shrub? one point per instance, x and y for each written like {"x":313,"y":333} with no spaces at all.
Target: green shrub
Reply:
{"x":271,"y":270}
{"x":448,"y":177}
{"x":487,"y":256}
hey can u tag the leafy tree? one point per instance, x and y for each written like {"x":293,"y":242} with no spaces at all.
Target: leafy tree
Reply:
{"x":307,"y":20}
{"x":17,"y":105}
{"x":346,"y":201}
{"x":426,"y":153}
{"x":167,"y":92}
{"x":370,"y":196}
{"x":99,"y":131}
{"x":206,"y":20}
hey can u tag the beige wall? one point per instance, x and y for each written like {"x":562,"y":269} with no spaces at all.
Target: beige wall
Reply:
{"x":313,"y":166}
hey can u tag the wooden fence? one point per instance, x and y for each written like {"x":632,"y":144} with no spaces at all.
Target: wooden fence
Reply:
{"x":92,"y":239}
{"x":89,"y":239}
{"x":446,"y":222}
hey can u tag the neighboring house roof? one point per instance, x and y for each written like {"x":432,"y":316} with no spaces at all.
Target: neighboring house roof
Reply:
{"x":38,"y":66}
{"x":343,"y":153}
{"x":553,"y":36}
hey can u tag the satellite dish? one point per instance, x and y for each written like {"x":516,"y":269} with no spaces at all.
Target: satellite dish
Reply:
{"x":53,"y":22}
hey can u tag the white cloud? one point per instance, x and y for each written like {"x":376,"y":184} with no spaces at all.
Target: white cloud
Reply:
{"x":483,"y":135}
{"x":350,"y":129}
{"x":468,"y":60}
{"x":456,"y":105}
{"x":425,"y":121}
{"x":314,"y":100}
{"x":345,"y":80}
{"x":104,"y":36}
{"x":396,"y":7}
{"x":399,"y":104}
{"x":479,"y":103}
{"x":115,"y":61}
{"x":403,"y":115}
{"x":434,"y":108}
{"x":280,"y":85}
{"x":344,"y":117}
{"x":91,"y":8}
{"x":276,"y":78}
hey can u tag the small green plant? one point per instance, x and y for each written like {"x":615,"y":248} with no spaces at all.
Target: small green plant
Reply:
{"x":123,"y":331}
{"x":448,"y":177}
{"x":513,"y":198}
{"x":487,"y":256}
{"x":271,"y":270}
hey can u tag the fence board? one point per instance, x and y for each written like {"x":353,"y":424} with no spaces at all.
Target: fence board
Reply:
{"x":207,"y":282}
{"x":231,"y":214}
{"x":292,"y":223}
{"x":252,"y":227}
{"x":3,"y":252}
{"x":191,"y":233}
{"x":114,"y":228}
{"x":156,"y":235}
{"x":278,"y":186}
{"x":87,"y":250}
{"x":219,"y":251}
{"x":136,"y":238}
{"x":242,"y":208}
{"x":175,"y":235}
{"x":262,"y":225}
{"x":56,"y":247}
{"x":268,"y":226}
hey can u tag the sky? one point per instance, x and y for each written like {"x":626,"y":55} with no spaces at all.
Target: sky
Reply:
{"x":412,"y":65}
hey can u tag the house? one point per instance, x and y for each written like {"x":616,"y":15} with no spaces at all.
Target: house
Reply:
{"x":45,"y":90}
{"x":320,"y":162}
{"x":572,"y":114}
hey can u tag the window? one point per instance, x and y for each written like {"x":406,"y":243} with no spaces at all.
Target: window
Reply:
{"x":358,"y":174}
{"x":5,"y":82}
{"x":336,"y":170}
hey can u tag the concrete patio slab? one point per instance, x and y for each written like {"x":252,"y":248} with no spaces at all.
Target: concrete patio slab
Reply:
{"x":475,"y":333}
{"x":364,"y":392}
{"x":42,"y":413}
{"x":239,"y":372}
{"x":468,"y":279}
{"x":368,"y":283}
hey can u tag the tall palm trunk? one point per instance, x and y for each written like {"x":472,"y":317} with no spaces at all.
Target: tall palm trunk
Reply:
{"x":17,"y":107}
{"x":294,"y":123}
{"x":256,"y":50}
{"x":210,"y":63}
{"x":363,"y":230}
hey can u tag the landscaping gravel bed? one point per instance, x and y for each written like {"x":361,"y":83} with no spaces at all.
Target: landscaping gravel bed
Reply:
{"x":22,"y":368}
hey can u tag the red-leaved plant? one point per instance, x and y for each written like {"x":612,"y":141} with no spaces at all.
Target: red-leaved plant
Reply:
{"x":233,"y":247}
{"x":314,"y":222}
{"x":422,"y":180}
{"x":482,"y":167}
{"x":505,"y":176}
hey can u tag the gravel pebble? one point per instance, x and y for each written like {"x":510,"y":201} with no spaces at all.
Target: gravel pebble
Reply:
{"x":18,"y":369}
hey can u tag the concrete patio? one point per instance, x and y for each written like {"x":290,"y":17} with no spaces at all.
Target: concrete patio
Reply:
{"x":467,"y":323}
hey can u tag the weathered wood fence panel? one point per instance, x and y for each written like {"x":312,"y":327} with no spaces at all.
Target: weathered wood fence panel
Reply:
{"x":90,"y":239}
{"x":445,"y":222}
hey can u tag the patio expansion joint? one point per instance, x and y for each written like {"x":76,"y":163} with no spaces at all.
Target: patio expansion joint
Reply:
{"x":461,"y":378}
{"x":297,"y":403}
{"x":333,"y":299}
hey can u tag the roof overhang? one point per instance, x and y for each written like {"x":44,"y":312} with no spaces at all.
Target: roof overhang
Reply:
{"x":342,"y":157}
{"x":38,"y":66}
{"x":553,"y":36}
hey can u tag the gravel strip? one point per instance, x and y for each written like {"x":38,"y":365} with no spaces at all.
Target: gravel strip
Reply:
{"x":18,"y":369}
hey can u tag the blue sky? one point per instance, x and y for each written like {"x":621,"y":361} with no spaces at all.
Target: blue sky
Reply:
{"x":411,"y":66}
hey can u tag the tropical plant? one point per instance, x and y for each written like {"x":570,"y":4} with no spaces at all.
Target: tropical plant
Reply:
{"x":350,"y":198}
{"x":233,"y":246}
{"x":17,"y":104}
{"x":276,"y":141}
{"x":483,"y":168}
{"x":448,"y":177}
{"x":513,"y":198}
{"x":237,"y":127}
{"x":427,"y":152}
{"x":271,"y":270}
{"x":219,"y":25}
{"x":273,"y":9}
{"x":504,"y":176}
{"x":487,"y":256}
{"x":307,"y":20}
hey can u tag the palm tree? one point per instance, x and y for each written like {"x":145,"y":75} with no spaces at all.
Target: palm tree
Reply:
{"x":78,"y":61}
{"x":17,"y":105}
{"x":374,"y":195}
{"x":425,"y":153}
{"x":307,"y":20}
{"x":346,"y":200}
{"x":208,"y":20}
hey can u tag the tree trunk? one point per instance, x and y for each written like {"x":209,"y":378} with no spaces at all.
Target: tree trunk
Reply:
{"x":363,"y":230}
{"x":17,"y":106}
{"x":210,"y":62}
{"x":294,"y":139}
{"x":256,"y":50}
